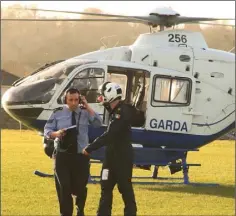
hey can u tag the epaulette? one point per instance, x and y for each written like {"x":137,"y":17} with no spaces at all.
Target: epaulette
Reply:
{"x":57,"y":109}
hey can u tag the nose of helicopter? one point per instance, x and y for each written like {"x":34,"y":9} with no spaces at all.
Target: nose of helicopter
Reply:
{"x":20,"y":111}
{"x":10,"y":110}
{"x":5,"y":99}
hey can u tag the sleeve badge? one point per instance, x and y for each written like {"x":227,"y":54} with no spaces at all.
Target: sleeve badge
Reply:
{"x":117,"y":116}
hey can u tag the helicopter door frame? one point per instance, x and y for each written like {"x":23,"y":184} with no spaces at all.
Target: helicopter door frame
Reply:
{"x":137,"y":84}
{"x":170,"y":110}
{"x":130,"y":72}
{"x":67,"y":83}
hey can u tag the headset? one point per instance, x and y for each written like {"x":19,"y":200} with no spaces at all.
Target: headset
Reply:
{"x":71,"y":90}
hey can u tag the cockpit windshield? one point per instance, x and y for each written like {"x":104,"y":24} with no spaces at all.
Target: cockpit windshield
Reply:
{"x":39,"y":87}
{"x":56,"y":71}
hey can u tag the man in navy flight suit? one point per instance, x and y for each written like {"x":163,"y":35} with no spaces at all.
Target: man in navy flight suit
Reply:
{"x":118,"y":162}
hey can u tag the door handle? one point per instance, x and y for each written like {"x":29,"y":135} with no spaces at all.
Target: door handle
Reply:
{"x":192,"y":113}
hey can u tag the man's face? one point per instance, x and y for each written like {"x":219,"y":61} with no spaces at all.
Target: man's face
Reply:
{"x":72,"y":100}
{"x":101,"y":101}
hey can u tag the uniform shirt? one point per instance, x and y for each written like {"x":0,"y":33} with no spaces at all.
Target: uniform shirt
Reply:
{"x":118,"y":133}
{"x":62,"y":119}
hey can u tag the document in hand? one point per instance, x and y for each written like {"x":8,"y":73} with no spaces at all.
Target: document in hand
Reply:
{"x":71,"y":127}
{"x":70,"y":137}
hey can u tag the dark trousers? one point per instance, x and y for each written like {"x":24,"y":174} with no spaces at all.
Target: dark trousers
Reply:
{"x":71,"y":177}
{"x":123,"y":181}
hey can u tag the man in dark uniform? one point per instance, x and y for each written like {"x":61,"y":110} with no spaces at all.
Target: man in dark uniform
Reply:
{"x":71,"y":166}
{"x":118,"y":163}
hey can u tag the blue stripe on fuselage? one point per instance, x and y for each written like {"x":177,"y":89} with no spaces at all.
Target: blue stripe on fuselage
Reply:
{"x":153,"y":138}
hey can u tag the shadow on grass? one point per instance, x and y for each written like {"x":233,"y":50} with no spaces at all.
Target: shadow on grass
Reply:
{"x":227,"y":191}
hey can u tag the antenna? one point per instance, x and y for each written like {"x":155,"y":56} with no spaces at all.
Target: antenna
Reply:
{"x":232,"y":49}
{"x":104,"y":46}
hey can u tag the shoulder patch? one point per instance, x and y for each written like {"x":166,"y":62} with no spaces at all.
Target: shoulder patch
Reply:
{"x":57,"y":109}
{"x":118,"y":110}
{"x":117,"y":116}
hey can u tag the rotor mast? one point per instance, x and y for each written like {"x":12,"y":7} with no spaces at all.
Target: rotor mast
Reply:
{"x":162,"y":27}
{"x":155,"y":28}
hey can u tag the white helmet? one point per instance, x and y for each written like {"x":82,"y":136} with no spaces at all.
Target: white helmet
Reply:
{"x":110,"y":92}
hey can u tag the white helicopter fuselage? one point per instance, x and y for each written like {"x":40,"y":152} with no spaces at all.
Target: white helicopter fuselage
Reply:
{"x":189,"y":88}
{"x":183,"y":54}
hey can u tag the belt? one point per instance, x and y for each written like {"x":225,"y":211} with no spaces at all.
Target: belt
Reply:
{"x":72,"y":149}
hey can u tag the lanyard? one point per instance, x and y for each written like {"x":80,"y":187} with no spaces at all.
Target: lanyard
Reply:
{"x":78,"y":122}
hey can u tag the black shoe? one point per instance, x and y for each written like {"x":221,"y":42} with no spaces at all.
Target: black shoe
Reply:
{"x":80,"y":214}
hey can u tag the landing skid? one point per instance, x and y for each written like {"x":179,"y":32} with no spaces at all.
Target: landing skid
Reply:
{"x":155,"y":179}
{"x":157,"y":158}
{"x":92,"y":179}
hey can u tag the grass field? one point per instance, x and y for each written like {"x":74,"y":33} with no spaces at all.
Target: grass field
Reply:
{"x":23,"y":193}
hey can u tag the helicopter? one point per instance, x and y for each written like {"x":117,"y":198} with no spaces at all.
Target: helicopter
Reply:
{"x":185,"y":89}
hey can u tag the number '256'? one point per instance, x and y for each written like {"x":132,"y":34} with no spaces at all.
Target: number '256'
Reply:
{"x":177,"y":38}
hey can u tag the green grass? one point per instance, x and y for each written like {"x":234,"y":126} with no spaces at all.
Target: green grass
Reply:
{"x":23,"y":193}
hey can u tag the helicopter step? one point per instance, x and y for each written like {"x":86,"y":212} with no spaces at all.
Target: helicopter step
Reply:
{"x":144,"y":158}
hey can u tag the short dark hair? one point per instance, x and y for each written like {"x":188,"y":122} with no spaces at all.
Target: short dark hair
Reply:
{"x":71,"y":90}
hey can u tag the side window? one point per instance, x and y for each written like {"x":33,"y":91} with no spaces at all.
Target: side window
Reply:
{"x":120,"y":79}
{"x":162,"y":89}
{"x":171,"y":90}
{"x":87,"y":82}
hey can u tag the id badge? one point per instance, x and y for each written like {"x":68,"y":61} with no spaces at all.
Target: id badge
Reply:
{"x":105,"y":173}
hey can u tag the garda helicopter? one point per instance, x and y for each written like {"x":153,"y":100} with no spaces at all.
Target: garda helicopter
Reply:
{"x":185,"y":90}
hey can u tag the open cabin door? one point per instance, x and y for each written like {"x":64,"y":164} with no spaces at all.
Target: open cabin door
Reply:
{"x":134,"y":83}
{"x":171,"y":100}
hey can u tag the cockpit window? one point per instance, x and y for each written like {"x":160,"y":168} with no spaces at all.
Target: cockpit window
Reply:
{"x":57,"y":71}
{"x":87,"y":82}
{"x":41,"y":86}
{"x":39,"y":92}
{"x":90,"y":73}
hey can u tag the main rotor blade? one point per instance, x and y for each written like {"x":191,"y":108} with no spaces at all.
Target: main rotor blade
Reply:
{"x":83,"y":13}
{"x":216,"y":24}
{"x":81,"y":20}
{"x":153,"y":20}
{"x":183,"y":19}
